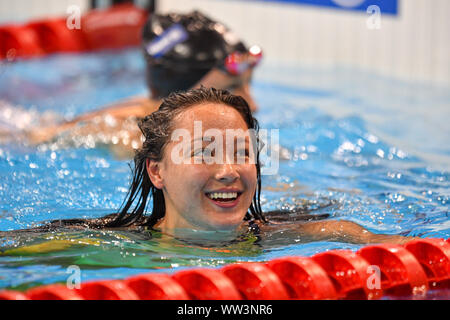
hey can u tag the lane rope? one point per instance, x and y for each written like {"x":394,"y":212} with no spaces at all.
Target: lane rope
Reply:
{"x":114,"y":28}
{"x":372,"y":272}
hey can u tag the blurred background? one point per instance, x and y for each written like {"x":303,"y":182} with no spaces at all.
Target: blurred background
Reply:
{"x":406,"y":39}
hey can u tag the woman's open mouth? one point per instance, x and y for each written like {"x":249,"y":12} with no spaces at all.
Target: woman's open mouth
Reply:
{"x":224,"y":199}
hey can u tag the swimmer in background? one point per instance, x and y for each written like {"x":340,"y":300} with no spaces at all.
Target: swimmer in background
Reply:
{"x":182,"y":51}
{"x":201,"y":196}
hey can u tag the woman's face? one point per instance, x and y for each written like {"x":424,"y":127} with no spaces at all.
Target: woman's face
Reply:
{"x":211,"y":186}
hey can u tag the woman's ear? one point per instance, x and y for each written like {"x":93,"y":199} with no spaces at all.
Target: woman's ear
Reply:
{"x":153,"y":171}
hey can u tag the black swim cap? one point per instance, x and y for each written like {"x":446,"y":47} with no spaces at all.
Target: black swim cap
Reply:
{"x":181,"y":48}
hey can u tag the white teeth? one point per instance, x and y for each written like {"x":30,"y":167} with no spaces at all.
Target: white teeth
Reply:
{"x":223,"y":195}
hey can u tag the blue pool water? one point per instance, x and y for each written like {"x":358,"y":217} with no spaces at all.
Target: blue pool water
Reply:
{"x":374,"y":147}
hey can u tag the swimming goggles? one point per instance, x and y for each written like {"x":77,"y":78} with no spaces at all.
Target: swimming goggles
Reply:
{"x":236,"y":63}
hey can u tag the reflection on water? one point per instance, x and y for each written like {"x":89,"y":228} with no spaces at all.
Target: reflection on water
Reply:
{"x":96,"y":250}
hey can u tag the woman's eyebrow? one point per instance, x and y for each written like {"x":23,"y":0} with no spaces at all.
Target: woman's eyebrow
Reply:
{"x":203,"y":139}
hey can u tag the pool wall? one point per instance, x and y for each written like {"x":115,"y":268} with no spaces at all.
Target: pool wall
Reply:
{"x":411,"y":44}
{"x":397,"y":38}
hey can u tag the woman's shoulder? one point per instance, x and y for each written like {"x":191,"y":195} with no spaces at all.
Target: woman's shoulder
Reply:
{"x":298,"y":214}
{"x":61,"y":224}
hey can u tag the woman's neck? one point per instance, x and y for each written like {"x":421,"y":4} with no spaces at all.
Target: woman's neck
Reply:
{"x":180,"y":228}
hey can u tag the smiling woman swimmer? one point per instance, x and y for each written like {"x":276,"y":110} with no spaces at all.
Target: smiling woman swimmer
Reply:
{"x":204,"y":184}
{"x":181,"y":51}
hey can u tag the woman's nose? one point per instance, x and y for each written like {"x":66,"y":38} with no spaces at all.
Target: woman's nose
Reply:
{"x":244,"y":92}
{"x":226,"y":173}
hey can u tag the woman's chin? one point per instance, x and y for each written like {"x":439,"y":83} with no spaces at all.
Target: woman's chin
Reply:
{"x":224,"y":221}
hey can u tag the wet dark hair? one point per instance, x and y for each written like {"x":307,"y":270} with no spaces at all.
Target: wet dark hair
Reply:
{"x":157,"y":128}
{"x":182,"y":48}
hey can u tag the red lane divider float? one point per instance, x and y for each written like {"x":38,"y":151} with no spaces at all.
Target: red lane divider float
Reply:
{"x":54,"y":36}
{"x":107,"y":290}
{"x":401,"y":273}
{"x":207,"y":284}
{"x":117,"y":27}
{"x":337,"y":274}
{"x":155,"y":286}
{"x":53,"y":292}
{"x":434,"y":257}
{"x":114,"y":28}
{"x":12,"y":295}
{"x":255,"y":281}
{"x":348,"y":272}
{"x":303,"y":278}
{"x":19,"y":41}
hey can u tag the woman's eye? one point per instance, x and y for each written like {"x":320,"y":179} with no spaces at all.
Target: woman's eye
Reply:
{"x":234,"y":86}
{"x":197,"y":153}
{"x":204,"y":153}
{"x":243,"y":153}
{"x":208,"y":153}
